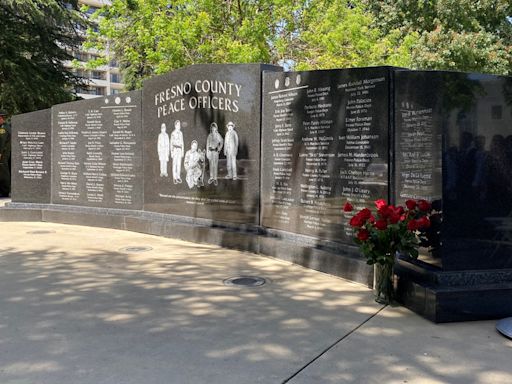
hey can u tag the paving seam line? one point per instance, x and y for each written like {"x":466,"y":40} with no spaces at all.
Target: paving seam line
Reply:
{"x":333,"y":345}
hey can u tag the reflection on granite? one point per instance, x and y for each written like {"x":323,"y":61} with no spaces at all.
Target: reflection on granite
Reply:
{"x":454,"y":144}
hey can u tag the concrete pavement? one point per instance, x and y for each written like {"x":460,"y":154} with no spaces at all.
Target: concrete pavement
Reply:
{"x":77,"y":308}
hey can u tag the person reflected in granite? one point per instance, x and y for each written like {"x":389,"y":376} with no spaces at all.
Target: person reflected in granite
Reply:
{"x":214,"y":145}
{"x":466,"y":167}
{"x":177,"y":152}
{"x":479,"y":183}
{"x":163,"y":150}
{"x":451,"y":172}
{"x":508,"y":144}
{"x":498,"y":180}
{"x":231,"y":150}
{"x":194,"y":166}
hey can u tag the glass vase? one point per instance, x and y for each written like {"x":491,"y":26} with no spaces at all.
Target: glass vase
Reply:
{"x":383,"y":287}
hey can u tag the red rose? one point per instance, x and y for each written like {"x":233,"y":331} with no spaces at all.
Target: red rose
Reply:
{"x":399,"y":210}
{"x":423,"y":205}
{"x":365,"y":214}
{"x":394,"y":218}
{"x":380,"y":203}
{"x":356,"y":221}
{"x":381,"y":224}
{"x":403,"y":217}
{"x":412,"y":225}
{"x":363,"y":235}
{"x":372,"y":219}
{"x":423,"y":222}
{"x":411,"y":204}
{"x":348,"y":207}
{"x":385,"y":211}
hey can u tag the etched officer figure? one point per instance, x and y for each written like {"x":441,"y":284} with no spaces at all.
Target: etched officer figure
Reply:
{"x":5,"y":154}
{"x":194,"y":166}
{"x":213,"y":147}
{"x":177,"y":151}
{"x":164,"y":150}
{"x":231,"y":150}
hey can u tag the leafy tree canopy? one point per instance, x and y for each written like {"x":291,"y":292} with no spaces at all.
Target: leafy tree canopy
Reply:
{"x":156,"y":36}
{"x":464,"y":35}
{"x":35,"y":38}
{"x":153,"y":37}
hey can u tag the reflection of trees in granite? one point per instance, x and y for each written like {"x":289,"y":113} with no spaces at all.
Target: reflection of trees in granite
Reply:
{"x":459,"y":92}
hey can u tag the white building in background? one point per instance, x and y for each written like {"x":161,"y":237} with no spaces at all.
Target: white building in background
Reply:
{"x":104,"y":80}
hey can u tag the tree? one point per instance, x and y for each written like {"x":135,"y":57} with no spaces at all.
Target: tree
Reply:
{"x":36,"y":37}
{"x":465,"y":35}
{"x":341,"y":34}
{"x":155,"y":37}
{"x":152,"y":37}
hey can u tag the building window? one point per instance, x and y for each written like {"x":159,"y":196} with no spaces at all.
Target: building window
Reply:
{"x":115,"y":78}
{"x":115,"y":91}
{"x":99,"y":91}
{"x":496,"y":112}
{"x":81,"y":73}
{"x":86,"y":91}
{"x":114,"y":63}
{"x":98,"y":75}
{"x":80,"y":56}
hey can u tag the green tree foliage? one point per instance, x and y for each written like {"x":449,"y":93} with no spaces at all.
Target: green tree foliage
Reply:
{"x":151,"y":37}
{"x":342,"y":33}
{"x":35,"y":37}
{"x":463,"y":35}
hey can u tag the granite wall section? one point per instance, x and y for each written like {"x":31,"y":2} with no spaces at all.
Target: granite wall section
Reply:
{"x":31,"y":157}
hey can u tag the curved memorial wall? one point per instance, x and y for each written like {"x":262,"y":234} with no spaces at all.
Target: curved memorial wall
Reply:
{"x":254,"y":158}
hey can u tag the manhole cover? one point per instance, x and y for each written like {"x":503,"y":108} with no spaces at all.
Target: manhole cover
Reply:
{"x":505,"y":327}
{"x":135,"y":249}
{"x":40,"y":232}
{"x":245,"y":281}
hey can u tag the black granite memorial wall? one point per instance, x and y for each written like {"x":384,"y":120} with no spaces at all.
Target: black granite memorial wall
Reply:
{"x":97,"y":152}
{"x":325,"y":141}
{"x":453,"y":145}
{"x":247,"y":156}
{"x":202,"y":142}
{"x":31,"y":156}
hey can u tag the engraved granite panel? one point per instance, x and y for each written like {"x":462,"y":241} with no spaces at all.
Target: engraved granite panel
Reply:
{"x":454,"y":146}
{"x":325,"y":141}
{"x":97,"y":152}
{"x":202,"y":142}
{"x":31,"y":157}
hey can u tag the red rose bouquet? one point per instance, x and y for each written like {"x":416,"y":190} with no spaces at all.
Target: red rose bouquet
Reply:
{"x":388,"y":230}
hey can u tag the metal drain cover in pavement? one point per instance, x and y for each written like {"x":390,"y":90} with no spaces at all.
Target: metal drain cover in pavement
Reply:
{"x":135,"y":249}
{"x":505,"y":327}
{"x":245,"y":281}
{"x":40,"y":232}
